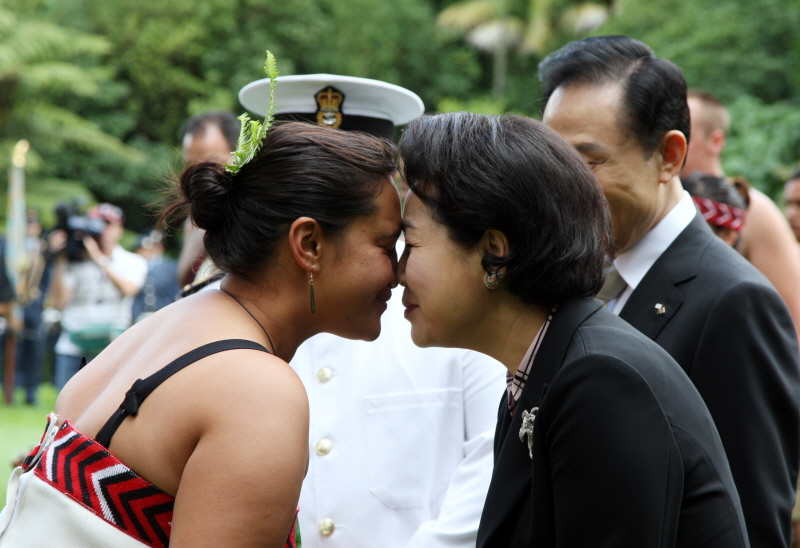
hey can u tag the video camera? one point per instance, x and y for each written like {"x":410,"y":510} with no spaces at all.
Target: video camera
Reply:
{"x":72,"y":220}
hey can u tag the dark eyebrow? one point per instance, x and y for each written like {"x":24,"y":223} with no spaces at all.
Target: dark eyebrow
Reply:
{"x":586,"y":148}
{"x":405,"y":224}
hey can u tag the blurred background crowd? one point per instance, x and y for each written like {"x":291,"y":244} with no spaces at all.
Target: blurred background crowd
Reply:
{"x":101,"y":91}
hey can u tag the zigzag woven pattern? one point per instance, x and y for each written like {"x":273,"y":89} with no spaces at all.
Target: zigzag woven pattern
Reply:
{"x":82,"y":469}
{"x":85,"y":471}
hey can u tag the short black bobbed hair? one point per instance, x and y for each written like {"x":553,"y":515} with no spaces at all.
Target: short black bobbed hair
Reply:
{"x":513,"y":174}
{"x":654,"y":90}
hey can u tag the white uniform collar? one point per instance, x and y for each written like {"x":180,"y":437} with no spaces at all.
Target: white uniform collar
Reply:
{"x":637,"y":261}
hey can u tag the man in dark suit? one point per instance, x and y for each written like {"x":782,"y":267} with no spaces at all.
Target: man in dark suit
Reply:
{"x":625,"y":111}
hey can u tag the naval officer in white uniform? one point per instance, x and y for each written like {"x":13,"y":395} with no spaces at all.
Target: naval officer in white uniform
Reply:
{"x":401,"y":437}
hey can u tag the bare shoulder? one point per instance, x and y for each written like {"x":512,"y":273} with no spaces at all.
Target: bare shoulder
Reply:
{"x":239,"y":382}
{"x":251,"y":453}
{"x":765,"y":222}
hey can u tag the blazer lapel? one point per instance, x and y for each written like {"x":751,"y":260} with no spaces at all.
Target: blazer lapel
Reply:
{"x":511,"y":479}
{"x":657,"y":298}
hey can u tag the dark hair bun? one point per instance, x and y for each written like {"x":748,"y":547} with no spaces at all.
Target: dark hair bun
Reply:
{"x":207,"y":186}
{"x":302,"y":170}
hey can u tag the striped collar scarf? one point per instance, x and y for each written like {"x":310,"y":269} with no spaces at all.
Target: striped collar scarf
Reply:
{"x":515,"y":383}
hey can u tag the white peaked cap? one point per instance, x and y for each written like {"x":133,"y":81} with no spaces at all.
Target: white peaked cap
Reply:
{"x":363,"y":97}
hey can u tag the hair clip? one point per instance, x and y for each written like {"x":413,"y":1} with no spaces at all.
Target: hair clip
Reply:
{"x":253,"y":132}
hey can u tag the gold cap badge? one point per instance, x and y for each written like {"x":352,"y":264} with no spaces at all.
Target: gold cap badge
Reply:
{"x":329,"y":104}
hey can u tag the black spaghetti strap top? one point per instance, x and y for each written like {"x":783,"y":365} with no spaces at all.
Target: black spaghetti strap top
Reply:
{"x":144,"y":387}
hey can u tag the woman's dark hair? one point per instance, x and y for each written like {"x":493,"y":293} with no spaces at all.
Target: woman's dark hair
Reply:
{"x":718,"y":189}
{"x":518,"y":176}
{"x":330,"y":175}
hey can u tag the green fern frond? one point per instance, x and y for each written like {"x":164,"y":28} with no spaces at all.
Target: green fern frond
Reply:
{"x":271,"y":66}
{"x":253,"y":132}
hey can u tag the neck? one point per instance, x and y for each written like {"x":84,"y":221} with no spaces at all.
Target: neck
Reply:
{"x":507,"y":330}
{"x":672,"y":193}
{"x":669,"y":195}
{"x":710,"y":166}
{"x":279,"y":315}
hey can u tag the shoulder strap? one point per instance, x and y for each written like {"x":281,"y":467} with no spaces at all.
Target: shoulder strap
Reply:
{"x":143,"y":387}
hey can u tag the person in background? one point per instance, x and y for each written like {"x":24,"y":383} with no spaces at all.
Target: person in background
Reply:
{"x":95,"y":293}
{"x":766,"y":239}
{"x":400,"y":436}
{"x":791,"y":203}
{"x":7,"y":295}
{"x":210,"y":136}
{"x":722,"y":205}
{"x":161,"y":285}
{"x":32,"y":289}
{"x":625,"y":111}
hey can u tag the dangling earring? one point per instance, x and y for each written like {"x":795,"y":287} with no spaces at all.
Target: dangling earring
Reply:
{"x":313,"y":301}
{"x":492,"y":279}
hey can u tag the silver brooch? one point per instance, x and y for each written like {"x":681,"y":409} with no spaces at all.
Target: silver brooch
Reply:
{"x":527,"y":428}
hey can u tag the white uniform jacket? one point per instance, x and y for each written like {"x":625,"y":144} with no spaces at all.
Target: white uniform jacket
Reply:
{"x":401,"y":439}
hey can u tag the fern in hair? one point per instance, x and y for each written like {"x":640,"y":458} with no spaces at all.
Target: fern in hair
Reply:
{"x":253,"y":132}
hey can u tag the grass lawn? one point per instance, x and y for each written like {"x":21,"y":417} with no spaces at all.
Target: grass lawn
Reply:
{"x":21,"y":427}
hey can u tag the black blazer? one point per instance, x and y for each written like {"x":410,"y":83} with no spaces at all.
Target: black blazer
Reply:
{"x":732,"y":334}
{"x":625,"y":453}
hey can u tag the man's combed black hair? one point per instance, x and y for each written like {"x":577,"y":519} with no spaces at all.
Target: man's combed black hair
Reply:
{"x":518,"y":176}
{"x":654,"y":100}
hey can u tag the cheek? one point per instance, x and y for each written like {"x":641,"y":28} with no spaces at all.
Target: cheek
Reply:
{"x":439,"y":289}
{"x":423,"y":275}
{"x":368,"y":276}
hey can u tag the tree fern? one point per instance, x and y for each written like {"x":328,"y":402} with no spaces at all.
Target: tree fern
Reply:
{"x":253,"y":132}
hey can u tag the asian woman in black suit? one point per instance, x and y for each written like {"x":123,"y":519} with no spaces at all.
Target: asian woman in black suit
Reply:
{"x":602,"y":440}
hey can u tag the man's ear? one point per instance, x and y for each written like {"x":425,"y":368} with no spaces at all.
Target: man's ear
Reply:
{"x":494,"y":242}
{"x":716,"y":141}
{"x":305,"y":241}
{"x":673,"y":151}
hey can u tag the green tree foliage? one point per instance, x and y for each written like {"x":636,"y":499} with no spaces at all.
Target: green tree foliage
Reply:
{"x":733,"y":48}
{"x":124,"y":75}
{"x":38,"y":69}
{"x":764,"y":142}
{"x":530,"y":28}
{"x":169,"y":60}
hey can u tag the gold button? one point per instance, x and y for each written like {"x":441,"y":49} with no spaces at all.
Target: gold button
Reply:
{"x":324,"y":374}
{"x":326,"y":527}
{"x":324,"y":446}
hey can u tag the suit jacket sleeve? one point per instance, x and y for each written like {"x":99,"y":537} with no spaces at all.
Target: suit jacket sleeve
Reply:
{"x":611,"y":457}
{"x":456,"y":526}
{"x":746,"y":369}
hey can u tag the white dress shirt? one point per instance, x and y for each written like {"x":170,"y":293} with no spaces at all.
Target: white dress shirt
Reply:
{"x":634,"y":264}
{"x":401,"y":439}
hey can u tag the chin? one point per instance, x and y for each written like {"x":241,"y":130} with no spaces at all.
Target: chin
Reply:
{"x":362,"y":333}
{"x":372,"y":332}
{"x":421,"y":339}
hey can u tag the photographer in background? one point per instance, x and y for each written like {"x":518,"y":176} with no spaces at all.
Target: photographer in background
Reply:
{"x":94,"y":288}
